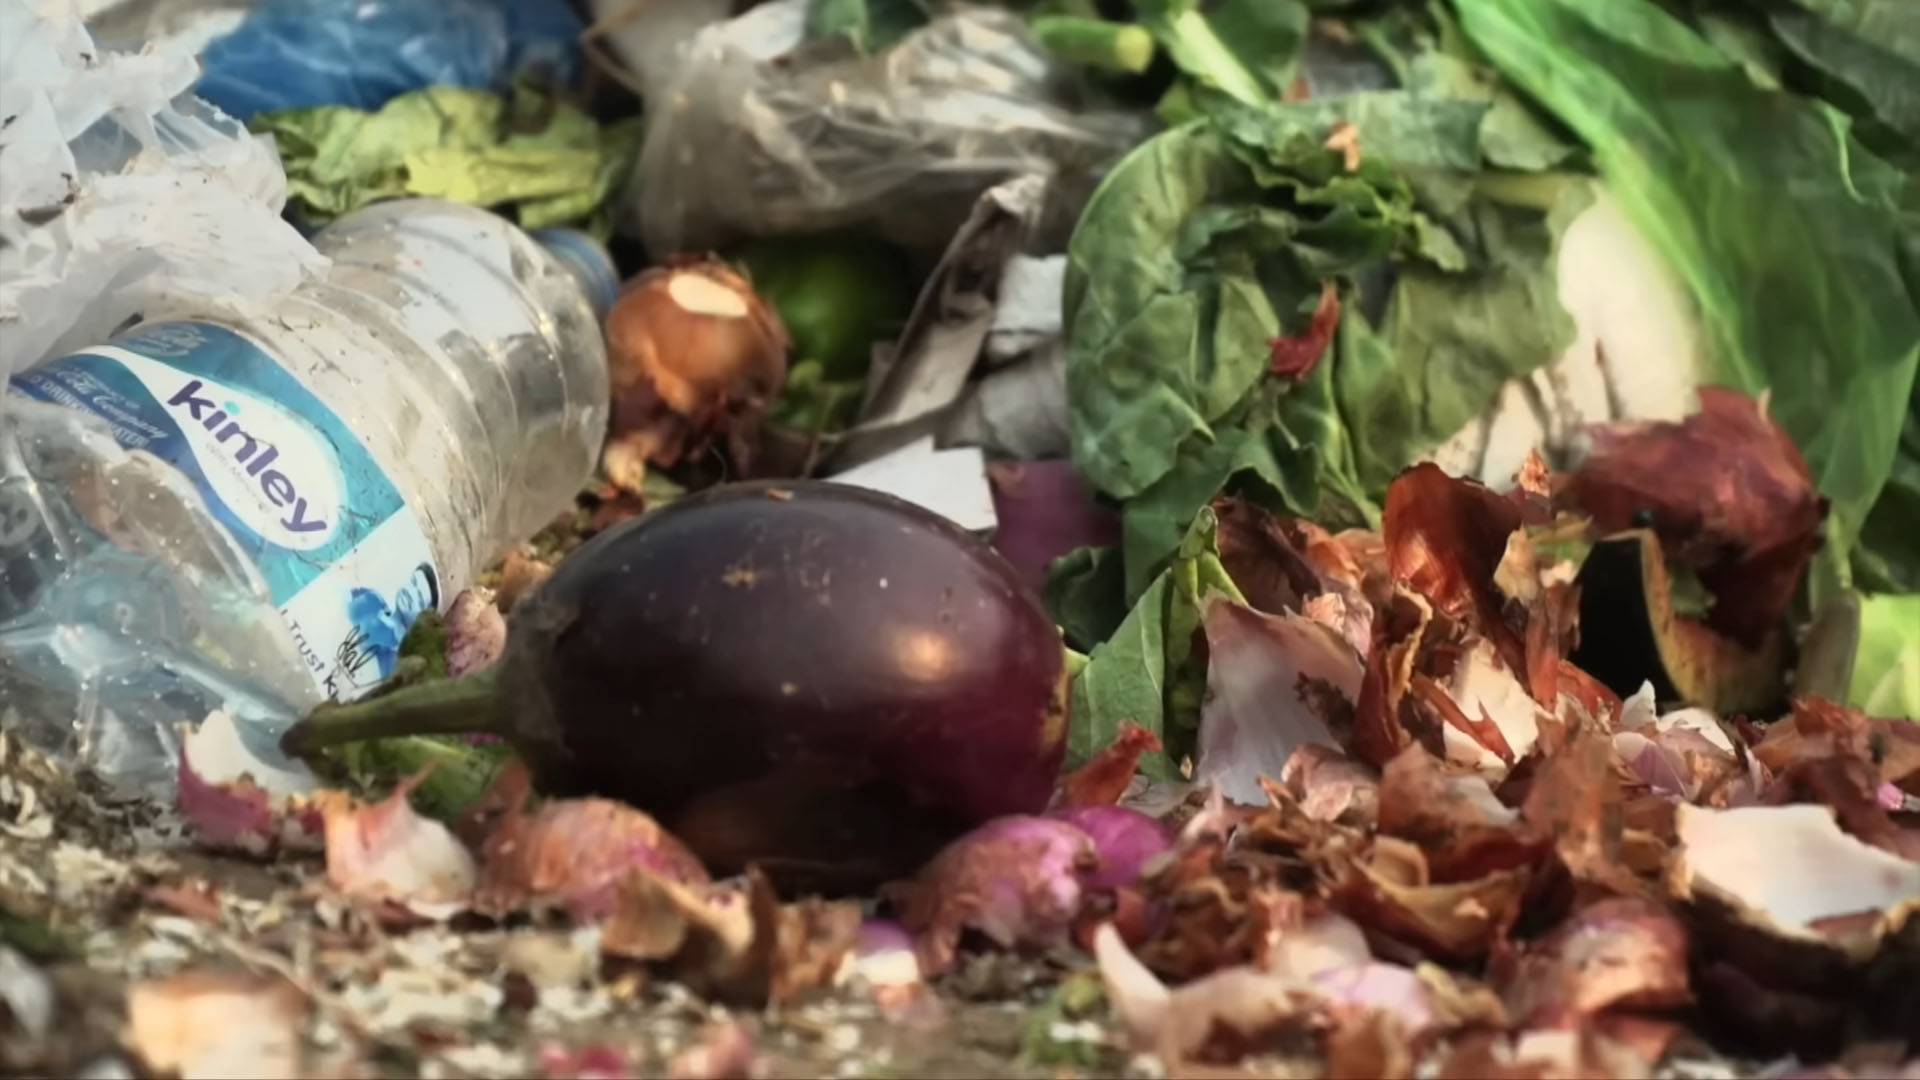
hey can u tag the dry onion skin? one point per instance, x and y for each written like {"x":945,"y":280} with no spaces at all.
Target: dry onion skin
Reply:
{"x":696,"y":359}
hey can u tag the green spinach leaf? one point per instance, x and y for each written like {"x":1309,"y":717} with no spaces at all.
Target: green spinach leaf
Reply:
{"x":1215,"y":238}
{"x":1146,"y":672}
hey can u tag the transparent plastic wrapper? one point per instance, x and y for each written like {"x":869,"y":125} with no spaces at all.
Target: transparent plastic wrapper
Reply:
{"x":115,"y":178}
{"x":175,"y":26}
{"x":757,"y":132}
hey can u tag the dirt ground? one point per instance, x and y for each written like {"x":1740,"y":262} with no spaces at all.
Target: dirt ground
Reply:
{"x":122,"y":944}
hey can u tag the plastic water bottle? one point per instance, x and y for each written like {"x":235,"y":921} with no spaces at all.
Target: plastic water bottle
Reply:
{"x":243,"y":504}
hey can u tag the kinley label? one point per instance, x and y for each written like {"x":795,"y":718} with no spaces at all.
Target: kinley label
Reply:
{"x":342,"y":555}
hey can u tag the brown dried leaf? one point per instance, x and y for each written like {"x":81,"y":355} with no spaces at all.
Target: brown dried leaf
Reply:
{"x":1575,"y":804}
{"x":1543,"y":1055}
{"x":656,"y":918}
{"x":1432,"y":682}
{"x":1345,"y":139}
{"x":1260,"y":556}
{"x":522,"y":572}
{"x":733,"y":942}
{"x":194,"y":899}
{"x":1593,"y":699}
{"x":812,"y":939}
{"x":1534,"y":478}
{"x":1370,"y":1046}
{"x":1462,"y":1002}
{"x":1206,"y":924}
{"x":1283,"y":565}
{"x":1384,"y":723}
{"x":1215,"y":1018}
{"x":1294,"y":938}
{"x":1818,"y":728}
{"x":1850,"y":788}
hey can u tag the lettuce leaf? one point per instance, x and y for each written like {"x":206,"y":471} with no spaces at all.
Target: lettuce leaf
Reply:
{"x":1886,"y":670}
{"x":1795,"y":239}
{"x":1865,"y":56}
{"x":1889,"y":555}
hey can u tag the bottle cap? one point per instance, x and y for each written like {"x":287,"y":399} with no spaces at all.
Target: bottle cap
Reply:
{"x":591,"y":265}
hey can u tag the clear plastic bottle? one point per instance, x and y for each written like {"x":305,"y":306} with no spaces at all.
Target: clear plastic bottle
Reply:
{"x":243,"y":504}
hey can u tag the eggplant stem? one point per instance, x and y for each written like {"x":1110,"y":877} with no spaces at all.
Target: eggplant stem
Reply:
{"x":464,"y":706}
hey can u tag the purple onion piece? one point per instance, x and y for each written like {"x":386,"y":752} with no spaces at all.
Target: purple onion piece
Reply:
{"x":1124,"y":838}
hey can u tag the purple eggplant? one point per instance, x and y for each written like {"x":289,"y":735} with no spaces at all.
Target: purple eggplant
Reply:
{"x":818,"y":679}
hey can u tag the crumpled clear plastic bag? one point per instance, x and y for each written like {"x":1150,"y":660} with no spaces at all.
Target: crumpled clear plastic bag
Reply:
{"x":117,"y":180}
{"x":757,"y":132}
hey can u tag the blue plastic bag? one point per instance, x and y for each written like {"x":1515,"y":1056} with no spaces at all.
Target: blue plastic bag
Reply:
{"x":292,"y":54}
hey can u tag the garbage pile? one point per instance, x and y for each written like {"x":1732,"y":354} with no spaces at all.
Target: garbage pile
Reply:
{"x":1354,"y":538}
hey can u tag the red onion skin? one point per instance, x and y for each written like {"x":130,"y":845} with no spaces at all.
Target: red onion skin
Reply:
{"x":1018,"y":880}
{"x":882,"y":935}
{"x":1125,"y":839}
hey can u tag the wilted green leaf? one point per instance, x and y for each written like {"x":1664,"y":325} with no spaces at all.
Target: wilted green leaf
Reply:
{"x":1886,"y":671}
{"x":1143,"y":674}
{"x":464,"y":145}
{"x":1087,"y":594}
{"x":461,"y":771}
